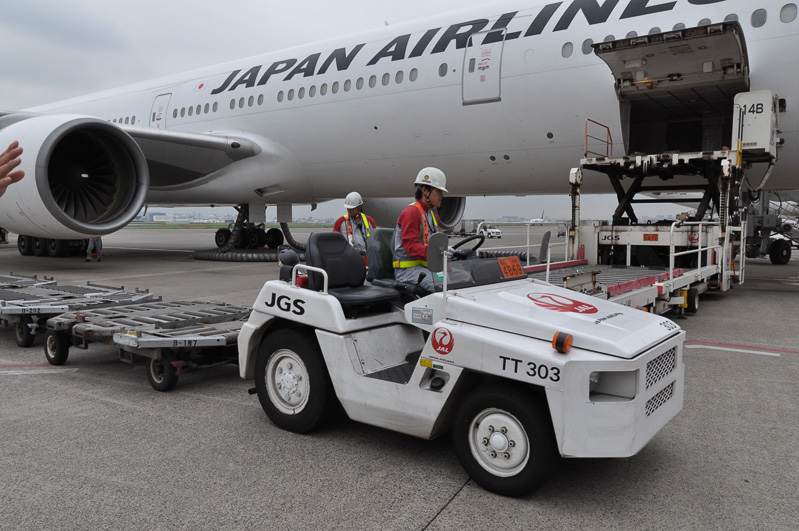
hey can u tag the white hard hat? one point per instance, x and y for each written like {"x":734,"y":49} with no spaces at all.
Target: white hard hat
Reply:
{"x":432,"y":177}
{"x":353,"y":200}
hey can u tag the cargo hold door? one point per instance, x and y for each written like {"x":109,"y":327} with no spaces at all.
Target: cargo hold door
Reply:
{"x":676,"y":89}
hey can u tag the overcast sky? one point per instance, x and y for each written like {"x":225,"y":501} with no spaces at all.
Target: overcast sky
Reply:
{"x":56,"y":49}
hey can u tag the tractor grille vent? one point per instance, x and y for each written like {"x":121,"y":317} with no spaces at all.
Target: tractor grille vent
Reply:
{"x":659,"y":399}
{"x":660,"y":367}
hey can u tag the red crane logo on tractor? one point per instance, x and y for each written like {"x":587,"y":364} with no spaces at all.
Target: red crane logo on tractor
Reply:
{"x":559,"y":303}
{"x":443,"y":341}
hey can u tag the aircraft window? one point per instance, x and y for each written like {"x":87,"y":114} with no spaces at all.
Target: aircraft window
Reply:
{"x":472,"y":62}
{"x":788,"y":13}
{"x":291,"y":94}
{"x":215,"y":107}
{"x":174,"y":114}
{"x":126,"y":121}
{"x":280,"y":96}
{"x":731,"y":18}
{"x":347,"y":85}
{"x":679,"y":26}
{"x":413,"y":75}
{"x":241,"y":103}
{"x":182,"y":112}
{"x":334,"y":87}
{"x":198,"y":109}
{"x":587,"y":46}
{"x":301,"y":93}
{"x":631,"y":35}
{"x":153,"y":118}
{"x":372,"y":81}
{"x":566,"y":51}
{"x":260,"y":99}
{"x":398,"y":77}
{"x":191,"y":111}
{"x":312,"y":91}
{"x":610,"y":38}
{"x":115,"y":120}
{"x":232,"y":104}
{"x":386,"y":79}
{"x":206,"y":108}
{"x":359,"y":83}
{"x":442,"y":70}
{"x":133,"y":120}
{"x":704,"y":22}
{"x":759,"y":18}
{"x":323,"y":89}
{"x":654,"y":30}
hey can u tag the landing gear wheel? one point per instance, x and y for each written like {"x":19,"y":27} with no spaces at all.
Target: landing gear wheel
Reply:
{"x":25,"y":245}
{"x":780,"y":252}
{"x":274,"y":238}
{"x":56,"y":347}
{"x":293,"y":385}
{"x":58,"y":248}
{"x":503,"y":437}
{"x":40,"y":246}
{"x":162,"y":375}
{"x":22,"y":332}
{"x":468,"y":252}
{"x":221,"y":237}
{"x":692,"y":300}
{"x":256,"y":238}
{"x":243,"y":236}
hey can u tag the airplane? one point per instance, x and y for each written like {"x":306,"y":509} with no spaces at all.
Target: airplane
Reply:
{"x":542,"y":219}
{"x":497,"y":96}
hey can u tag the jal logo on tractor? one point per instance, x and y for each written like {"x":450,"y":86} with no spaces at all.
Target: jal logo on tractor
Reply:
{"x":559,"y":303}
{"x":443,"y":341}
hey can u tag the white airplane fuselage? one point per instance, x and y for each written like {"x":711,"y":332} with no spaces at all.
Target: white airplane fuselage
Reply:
{"x":366,"y":112}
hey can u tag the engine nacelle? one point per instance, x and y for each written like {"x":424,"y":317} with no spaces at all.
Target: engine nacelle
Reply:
{"x":790,"y":228}
{"x":385,"y":211}
{"x":83,"y":177}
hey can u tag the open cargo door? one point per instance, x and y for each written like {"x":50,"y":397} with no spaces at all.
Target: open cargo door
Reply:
{"x":676,"y":89}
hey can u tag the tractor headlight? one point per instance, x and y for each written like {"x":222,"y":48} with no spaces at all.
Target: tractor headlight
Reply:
{"x":612,"y":386}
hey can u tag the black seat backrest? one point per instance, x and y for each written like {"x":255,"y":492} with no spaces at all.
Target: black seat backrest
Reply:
{"x":380,"y":253}
{"x":332,"y":252}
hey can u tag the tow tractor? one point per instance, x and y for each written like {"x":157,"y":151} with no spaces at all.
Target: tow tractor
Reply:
{"x":519,"y":371}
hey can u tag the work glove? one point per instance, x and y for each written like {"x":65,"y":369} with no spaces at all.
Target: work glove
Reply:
{"x":450,"y":253}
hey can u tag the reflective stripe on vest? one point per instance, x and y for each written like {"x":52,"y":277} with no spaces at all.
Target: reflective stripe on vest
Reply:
{"x":349,"y":227}
{"x":413,"y":263}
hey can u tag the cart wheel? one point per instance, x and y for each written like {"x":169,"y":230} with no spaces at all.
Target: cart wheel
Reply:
{"x":23,"y":333}
{"x":163,"y":376}
{"x":56,"y":347}
{"x":504,"y":440}
{"x":692,"y":302}
{"x":293,"y":385}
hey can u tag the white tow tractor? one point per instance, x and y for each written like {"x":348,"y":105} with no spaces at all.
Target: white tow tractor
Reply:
{"x":518,"y":370}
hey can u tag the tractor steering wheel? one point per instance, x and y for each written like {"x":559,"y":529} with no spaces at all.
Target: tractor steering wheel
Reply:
{"x":466,"y":253}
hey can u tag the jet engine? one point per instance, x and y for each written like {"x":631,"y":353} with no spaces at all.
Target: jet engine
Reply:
{"x":790,"y":228}
{"x":385,"y":211}
{"x":83,"y":177}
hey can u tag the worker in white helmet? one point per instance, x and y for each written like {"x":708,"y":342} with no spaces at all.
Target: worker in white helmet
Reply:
{"x":414,"y":226}
{"x":355,"y":226}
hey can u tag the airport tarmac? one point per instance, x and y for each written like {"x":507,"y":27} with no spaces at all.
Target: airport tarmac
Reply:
{"x":91,"y":445}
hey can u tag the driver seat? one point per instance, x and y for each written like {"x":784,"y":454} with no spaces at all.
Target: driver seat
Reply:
{"x":380,"y":254}
{"x":346,"y":273}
